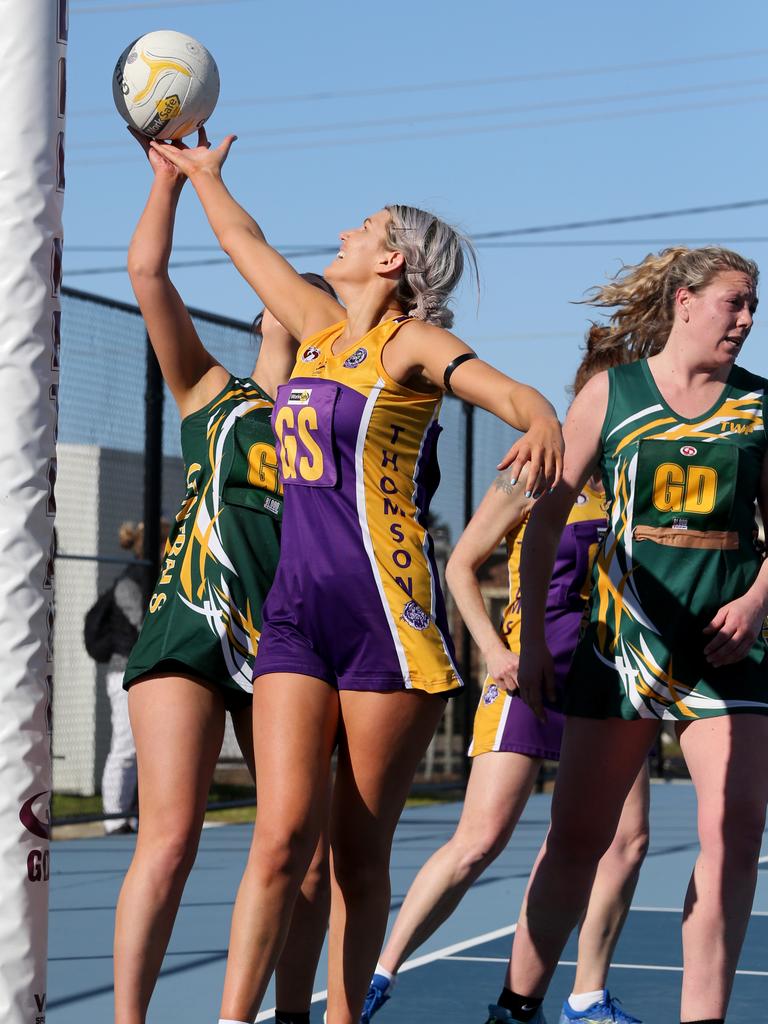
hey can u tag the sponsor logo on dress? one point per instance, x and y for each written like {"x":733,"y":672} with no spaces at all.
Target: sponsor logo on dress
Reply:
{"x":310,"y":354}
{"x":582,"y":499}
{"x":300,"y":396}
{"x":491,"y":693}
{"x":357,"y":357}
{"x":688,"y":450}
{"x":272,"y":505}
{"x":415,"y":616}
{"x":679,"y":523}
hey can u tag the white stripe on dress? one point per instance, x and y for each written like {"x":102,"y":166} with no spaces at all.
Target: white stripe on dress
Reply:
{"x":362,"y":519}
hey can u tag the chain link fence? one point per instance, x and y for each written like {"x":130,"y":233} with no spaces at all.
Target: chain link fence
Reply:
{"x":120,"y":460}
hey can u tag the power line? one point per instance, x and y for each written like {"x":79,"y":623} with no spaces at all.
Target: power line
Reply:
{"x":689,"y":211}
{"x":336,"y":143}
{"x":575,"y":243}
{"x":490,"y":129}
{"x":322,"y":250}
{"x":484,"y":239}
{"x":466,"y":83}
{"x":213,"y":261}
{"x":553,"y":244}
{"x":455,"y":115}
{"x":101,"y":8}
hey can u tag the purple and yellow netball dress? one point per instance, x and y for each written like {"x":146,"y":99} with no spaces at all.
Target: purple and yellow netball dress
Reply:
{"x":506,"y":723}
{"x":356,"y":599}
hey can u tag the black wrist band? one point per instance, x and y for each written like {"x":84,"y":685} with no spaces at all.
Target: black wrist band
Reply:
{"x":452,"y":366}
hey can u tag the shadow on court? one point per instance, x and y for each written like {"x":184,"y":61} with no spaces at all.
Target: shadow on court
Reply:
{"x":460,"y":970}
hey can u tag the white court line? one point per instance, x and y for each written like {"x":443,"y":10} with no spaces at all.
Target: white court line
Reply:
{"x":679,"y":910}
{"x":447,"y":953}
{"x":419,"y":961}
{"x":573,"y":963}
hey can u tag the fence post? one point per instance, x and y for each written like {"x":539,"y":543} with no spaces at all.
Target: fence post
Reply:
{"x":153,"y":468}
{"x":466,"y":639}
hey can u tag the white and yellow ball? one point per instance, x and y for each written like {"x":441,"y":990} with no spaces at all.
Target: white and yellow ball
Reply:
{"x":165,"y":84}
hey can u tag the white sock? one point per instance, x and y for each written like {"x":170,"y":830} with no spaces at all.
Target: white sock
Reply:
{"x":386,"y":974}
{"x":583,"y":1000}
{"x":226,"y":1020}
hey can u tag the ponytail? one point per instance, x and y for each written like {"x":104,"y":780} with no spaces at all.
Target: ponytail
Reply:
{"x":434,"y":254}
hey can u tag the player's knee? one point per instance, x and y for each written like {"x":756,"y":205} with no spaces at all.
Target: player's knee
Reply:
{"x":577,"y":845}
{"x":356,"y":870}
{"x":473,"y":853}
{"x":169,"y":855}
{"x":734,"y":837}
{"x":631,"y":845}
{"x":279,"y":853}
{"x":316,"y":885}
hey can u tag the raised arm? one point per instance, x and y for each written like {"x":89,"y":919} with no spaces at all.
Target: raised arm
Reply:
{"x":542,"y":536}
{"x":277,"y":355}
{"x":190,"y":371}
{"x":503,"y":507}
{"x":426,"y":350}
{"x":300,"y":307}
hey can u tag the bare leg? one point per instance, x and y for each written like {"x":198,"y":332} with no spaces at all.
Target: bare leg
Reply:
{"x":178,"y":725}
{"x":297,"y":966}
{"x":295,"y":719}
{"x":499,"y":786}
{"x":382,"y":740}
{"x":599,"y":763}
{"x":613,"y":889}
{"x":726,"y":759}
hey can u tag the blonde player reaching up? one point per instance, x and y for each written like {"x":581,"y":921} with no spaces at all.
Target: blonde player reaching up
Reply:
{"x":355,"y":648}
{"x":510,"y":743}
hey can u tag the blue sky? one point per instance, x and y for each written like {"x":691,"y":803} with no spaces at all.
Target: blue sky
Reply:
{"x":498,"y":115}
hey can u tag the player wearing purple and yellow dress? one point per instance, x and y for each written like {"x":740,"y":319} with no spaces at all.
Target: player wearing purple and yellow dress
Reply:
{"x":354,"y":644}
{"x":502,"y":720}
{"x":362,"y":450}
{"x":510,"y":743}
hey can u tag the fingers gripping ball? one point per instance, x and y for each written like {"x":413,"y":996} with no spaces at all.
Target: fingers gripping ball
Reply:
{"x":165,"y":85}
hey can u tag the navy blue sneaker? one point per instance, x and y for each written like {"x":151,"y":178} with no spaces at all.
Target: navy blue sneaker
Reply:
{"x":498,"y":1015}
{"x":607,"y":1011}
{"x":378,"y":994}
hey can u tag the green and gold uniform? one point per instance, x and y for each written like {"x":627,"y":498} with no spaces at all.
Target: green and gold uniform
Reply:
{"x":680,"y":544}
{"x":204,"y":617}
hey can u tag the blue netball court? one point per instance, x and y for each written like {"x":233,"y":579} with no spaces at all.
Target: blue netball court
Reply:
{"x":451,"y":980}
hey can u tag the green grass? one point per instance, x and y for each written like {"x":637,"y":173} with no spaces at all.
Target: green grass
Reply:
{"x":66,"y":805}
{"x":63,"y":805}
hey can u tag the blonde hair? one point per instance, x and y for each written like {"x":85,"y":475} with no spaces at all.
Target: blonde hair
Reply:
{"x":597,"y":359}
{"x":644,"y":294}
{"x":434,"y":262}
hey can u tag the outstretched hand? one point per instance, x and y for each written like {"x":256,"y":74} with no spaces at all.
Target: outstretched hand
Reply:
{"x":202,"y":157}
{"x":541,"y":448}
{"x":162,"y":168}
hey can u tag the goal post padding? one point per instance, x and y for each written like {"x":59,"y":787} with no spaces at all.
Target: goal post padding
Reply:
{"x":32,"y":85}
